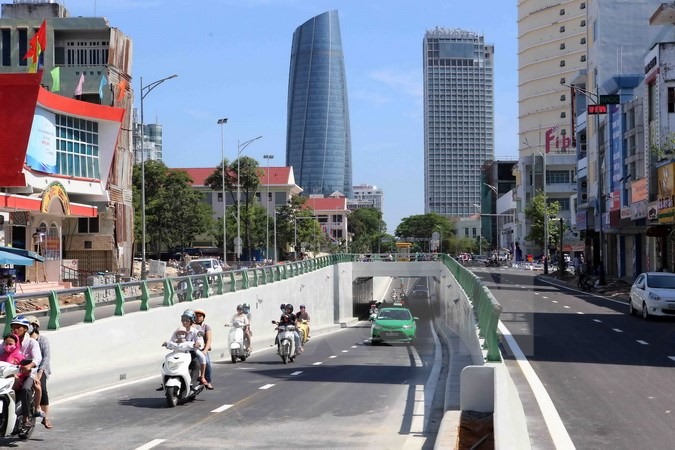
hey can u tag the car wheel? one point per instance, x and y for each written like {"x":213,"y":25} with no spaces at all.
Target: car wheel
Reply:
{"x":631,"y":308}
{"x":645,"y":312}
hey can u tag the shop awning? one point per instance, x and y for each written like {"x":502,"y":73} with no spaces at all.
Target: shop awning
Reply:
{"x":658,"y":231}
{"x":23,"y":253}
{"x":11,"y":258}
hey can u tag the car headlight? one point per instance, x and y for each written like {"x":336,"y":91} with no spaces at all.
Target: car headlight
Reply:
{"x":653,"y":296}
{"x":406,"y":327}
{"x":377,"y":327}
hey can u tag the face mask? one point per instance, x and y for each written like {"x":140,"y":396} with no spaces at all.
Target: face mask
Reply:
{"x":10,"y":348}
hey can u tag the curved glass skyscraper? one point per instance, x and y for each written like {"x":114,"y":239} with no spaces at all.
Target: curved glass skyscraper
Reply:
{"x":318,"y":138}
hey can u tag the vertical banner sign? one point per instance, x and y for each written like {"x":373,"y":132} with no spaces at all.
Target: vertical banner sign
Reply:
{"x":665,"y":192}
{"x":41,"y":153}
{"x":616,"y":152}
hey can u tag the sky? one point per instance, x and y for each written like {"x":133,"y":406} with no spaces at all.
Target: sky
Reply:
{"x":232,"y":60}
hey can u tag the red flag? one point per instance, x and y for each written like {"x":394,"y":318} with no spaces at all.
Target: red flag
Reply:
{"x":37,"y":44}
{"x":121,"y":89}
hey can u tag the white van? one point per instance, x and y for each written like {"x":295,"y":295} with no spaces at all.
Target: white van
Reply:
{"x":205,"y":265}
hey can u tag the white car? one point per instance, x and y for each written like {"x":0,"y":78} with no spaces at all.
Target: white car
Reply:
{"x":653,"y":294}
{"x":205,"y":265}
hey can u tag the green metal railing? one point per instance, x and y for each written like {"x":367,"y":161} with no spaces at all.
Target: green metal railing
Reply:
{"x":486,"y":308}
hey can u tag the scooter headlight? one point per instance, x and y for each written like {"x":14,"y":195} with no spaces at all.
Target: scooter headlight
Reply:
{"x":173,"y":365}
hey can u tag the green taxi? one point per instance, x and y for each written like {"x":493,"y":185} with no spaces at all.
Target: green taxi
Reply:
{"x":395,"y":324}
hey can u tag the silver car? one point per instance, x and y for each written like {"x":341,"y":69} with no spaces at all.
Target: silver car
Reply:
{"x":653,"y":294}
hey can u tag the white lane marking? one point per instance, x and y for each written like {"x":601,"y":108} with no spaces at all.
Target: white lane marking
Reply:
{"x":318,"y":363}
{"x":416,"y":357}
{"x":639,"y":341}
{"x":153,"y":443}
{"x":617,"y":330}
{"x":597,"y":320}
{"x":296,"y":373}
{"x":345,"y":351}
{"x":267,"y":386}
{"x":333,"y":356}
{"x":543,"y":296}
{"x":621,"y":302}
{"x":432,"y":381}
{"x":222,"y":408}
{"x":554,"y":301}
{"x":672,"y":357}
{"x":566,"y":307}
{"x":537,"y":293}
{"x":353,"y":346}
{"x":556,"y":428}
{"x":579,"y":312}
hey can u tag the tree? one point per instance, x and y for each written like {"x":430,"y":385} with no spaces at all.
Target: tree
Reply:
{"x":294,"y":217}
{"x":423,"y":226}
{"x":534,"y":212}
{"x":366,"y":227}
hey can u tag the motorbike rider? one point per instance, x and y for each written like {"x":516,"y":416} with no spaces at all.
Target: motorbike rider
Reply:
{"x":200,"y":317}
{"x":304,"y":315}
{"x":243,"y":318}
{"x":31,"y":350}
{"x":43,"y":372}
{"x":192,"y":334}
{"x":291,"y":319}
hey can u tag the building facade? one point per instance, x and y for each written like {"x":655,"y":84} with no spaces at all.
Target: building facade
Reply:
{"x":318,"y":137}
{"x":366,"y":196}
{"x":70,"y":136}
{"x":497,"y":180}
{"x":458,"y":119}
{"x":148,"y":144}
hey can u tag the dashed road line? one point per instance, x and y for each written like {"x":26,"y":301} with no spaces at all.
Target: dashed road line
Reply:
{"x":267,"y":386}
{"x":579,"y":312}
{"x":318,"y":363}
{"x":597,"y":320}
{"x":672,"y":357}
{"x":554,"y":301}
{"x":333,"y":356}
{"x":345,"y":351}
{"x":617,"y":330}
{"x":297,"y":372}
{"x":222,"y":408}
{"x":566,"y":307}
{"x":151,"y":444}
{"x":639,"y":341}
{"x":543,"y":296}
{"x":353,"y":346}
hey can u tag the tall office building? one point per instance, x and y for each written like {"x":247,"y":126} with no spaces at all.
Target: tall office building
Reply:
{"x":318,"y":137}
{"x":458,"y":119}
{"x":149,"y":145}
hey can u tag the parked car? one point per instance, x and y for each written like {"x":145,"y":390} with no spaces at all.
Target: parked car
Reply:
{"x":653,"y":294}
{"x":395,"y":324}
{"x":207,"y":265}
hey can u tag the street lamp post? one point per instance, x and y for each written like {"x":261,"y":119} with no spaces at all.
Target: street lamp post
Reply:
{"x":240,"y":148}
{"x":145,"y":90}
{"x":480,"y":227}
{"x":267,"y":209}
{"x":222,"y":122}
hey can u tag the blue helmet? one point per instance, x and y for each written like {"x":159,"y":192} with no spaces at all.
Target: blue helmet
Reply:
{"x":20,"y":320}
{"x":190,"y":314}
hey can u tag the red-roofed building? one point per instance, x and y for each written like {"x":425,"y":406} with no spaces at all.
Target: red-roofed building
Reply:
{"x":277,"y":186}
{"x":332,"y":214}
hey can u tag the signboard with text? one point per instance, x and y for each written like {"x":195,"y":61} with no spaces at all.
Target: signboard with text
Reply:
{"x":666,"y":190}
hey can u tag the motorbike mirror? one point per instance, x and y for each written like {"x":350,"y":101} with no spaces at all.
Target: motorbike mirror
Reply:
{"x":274,"y":322}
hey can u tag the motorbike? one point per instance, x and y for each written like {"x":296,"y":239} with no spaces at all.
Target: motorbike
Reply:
{"x":586,"y":283}
{"x":492,"y":263}
{"x":286,"y":342}
{"x":237,"y":342}
{"x":197,"y":285}
{"x":303,"y":328}
{"x":372,"y":314}
{"x":180,"y":374}
{"x":11,"y":419}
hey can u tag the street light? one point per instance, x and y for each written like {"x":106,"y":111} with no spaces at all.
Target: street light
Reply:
{"x":222,"y":122}
{"x":267,"y":208}
{"x":480,"y":226}
{"x":595,"y":97}
{"x":145,"y":90}
{"x":240,"y":148}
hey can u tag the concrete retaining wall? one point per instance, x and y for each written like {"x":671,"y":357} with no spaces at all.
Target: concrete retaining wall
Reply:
{"x":128,"y":347}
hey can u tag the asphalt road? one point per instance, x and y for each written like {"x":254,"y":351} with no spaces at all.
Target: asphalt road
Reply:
{"x":340,"y":393}
{"x":610,"y":376}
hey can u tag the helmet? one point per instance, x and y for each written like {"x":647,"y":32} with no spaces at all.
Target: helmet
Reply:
{"x":200,"y":311}
{"x":246,"y":307}
{"x":33,"y":321}
{"x":289,"y":307}
{"x":20,"y":320}
{"x":283,"y":306}
{"x":240,"y":308}
{"x":190,"y":314}
{"x":302,"y":306}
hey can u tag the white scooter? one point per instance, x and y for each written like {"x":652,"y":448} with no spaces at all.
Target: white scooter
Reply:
{"x":237,"y":341}
{"x":285,"y":342}
{"x":180,"y":374}
{"x":11,"y":418}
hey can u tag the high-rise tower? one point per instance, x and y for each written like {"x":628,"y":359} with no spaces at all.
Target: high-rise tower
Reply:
{"x":318,"y":137}
{"x":458,"y":119}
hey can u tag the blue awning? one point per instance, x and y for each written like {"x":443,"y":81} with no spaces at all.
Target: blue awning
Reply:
{"x":22,"y":252}
{"x":11,"y":258}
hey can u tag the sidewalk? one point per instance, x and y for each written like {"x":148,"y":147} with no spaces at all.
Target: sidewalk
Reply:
{"x":616,"y":288}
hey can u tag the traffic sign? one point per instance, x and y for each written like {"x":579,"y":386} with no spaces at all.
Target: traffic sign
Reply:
{"x":614,"y":99}
{"x":597,"y":109}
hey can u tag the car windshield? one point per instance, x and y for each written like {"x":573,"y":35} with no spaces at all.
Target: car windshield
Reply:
{"x":394,"y":314}
{"x":661,"y":281}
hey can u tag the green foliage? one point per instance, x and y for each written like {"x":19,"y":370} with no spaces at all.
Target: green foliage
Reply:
{"x":667,"y":148}
{"x":366,"y":228}
{"x":423,"y":226}
{"x":534,"y":212}
{"x":296,"y":213}
{"x":174,"y":212}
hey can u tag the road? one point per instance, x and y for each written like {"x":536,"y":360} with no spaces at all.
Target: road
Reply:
{"x":340,"y":393}
{"x":610,"y":376}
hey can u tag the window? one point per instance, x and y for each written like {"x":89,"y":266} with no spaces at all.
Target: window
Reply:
{"x":563,"y":115}
{"x":583,"y":23}
{"x":562,"y":12}
{"x":23,"y":46}
{"x":583,"y":58}
{"x":6,"y":45}
{"x":583,"y":5}
{"x":220,"y":197}
{"x":582,"y":41}
{"x":77,"y":147}
{"x":562,"y":80}
{"x":558,"y":177}
{"x":562,"y":46}
{"x":563,"y":98}
{"x":562,"y":63}
{"x":87,"y":225}
{"x":562,"y":29}
{"x":595,"y":30}
{"x":81,"y":53}
{"x":671,"y":99}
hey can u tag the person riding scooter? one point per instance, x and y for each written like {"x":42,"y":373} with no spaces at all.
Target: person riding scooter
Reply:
{"x":288,"y":318}
{"x":242,"y":318}
{"x":187,"y":320}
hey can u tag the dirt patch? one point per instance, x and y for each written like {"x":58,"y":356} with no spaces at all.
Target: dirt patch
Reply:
{"x":476,"y":431}
{"x":39,"y":304}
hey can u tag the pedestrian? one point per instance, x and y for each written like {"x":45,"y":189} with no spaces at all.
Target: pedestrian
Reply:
{"x":200,"y":316}
{"x":43,"y":370}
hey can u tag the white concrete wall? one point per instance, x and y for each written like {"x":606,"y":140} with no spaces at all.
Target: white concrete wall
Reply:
{"x":129,"y":346}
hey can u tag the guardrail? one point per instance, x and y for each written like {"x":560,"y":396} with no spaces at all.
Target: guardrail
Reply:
{"x":170,"y":290}
{"x":485,"y":306}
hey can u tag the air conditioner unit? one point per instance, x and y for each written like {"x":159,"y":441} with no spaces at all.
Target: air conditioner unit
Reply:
{"x":584,"y":184}
{"x":584,"y":197}
{"x":583,"y":147}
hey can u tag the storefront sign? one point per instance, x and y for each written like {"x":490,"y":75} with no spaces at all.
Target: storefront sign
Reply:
{"x":637,"y":210}
{"x":639,"y":190}
{"x":55,"y":192}
{"x":581,"y":220}
{"x":561,"y":143}
{"x":666,"y":181}
{"x":653,"y":210}
{"x":41,"y":153}
{"x":615,"y":200}
{"x":626,"y":212}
